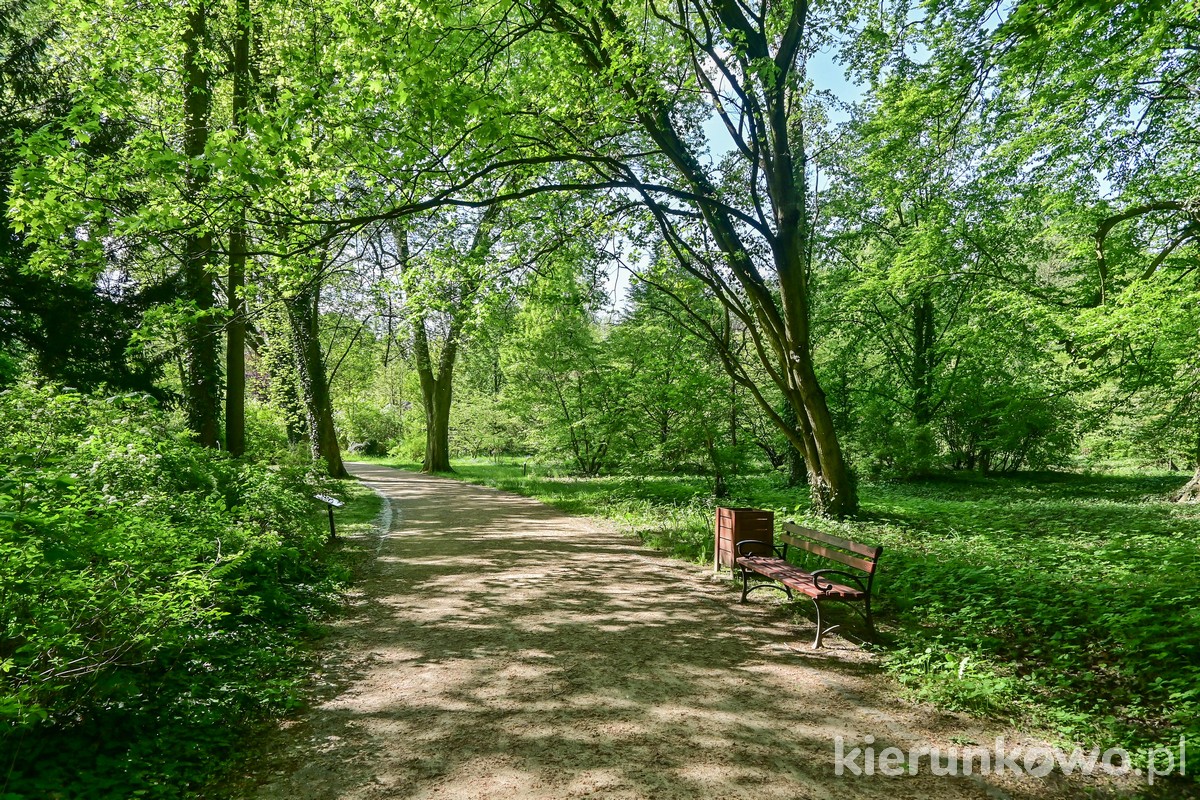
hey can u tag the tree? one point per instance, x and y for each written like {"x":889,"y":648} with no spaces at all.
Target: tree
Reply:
{"x":304,"y":315}
{"x":1111,"y":86}
{"x":449,"y":284}
{"x":235,"y":339}
{"x":933,"y":249}
{"x":744,"y":230}
{"x":202,"y":388}
{"x":99,"y":349}
{"x":560,"y":377}
{"x":680,"y":412}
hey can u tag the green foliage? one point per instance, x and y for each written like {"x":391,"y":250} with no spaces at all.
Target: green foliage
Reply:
{"x":1072,"y":592}
{"x":368,"y":428}
{"x":147,"y":585}
{"x":480,"y":425}
{"x":562,"y":379}
{"x":1005,"y":422}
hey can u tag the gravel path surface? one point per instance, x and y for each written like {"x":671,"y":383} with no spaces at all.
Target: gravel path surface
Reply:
{"x":501,"y":649}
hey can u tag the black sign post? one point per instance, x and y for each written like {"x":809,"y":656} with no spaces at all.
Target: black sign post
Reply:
{"x":331,"y":503}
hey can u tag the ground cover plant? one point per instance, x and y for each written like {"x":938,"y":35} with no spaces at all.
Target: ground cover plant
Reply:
{"x":1063,"y":600}
{"x":155,"y":597}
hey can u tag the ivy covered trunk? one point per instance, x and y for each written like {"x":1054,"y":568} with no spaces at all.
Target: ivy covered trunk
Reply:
{"x":235,"y":350}
{"x":304,"y":319}
{"x":202,"y":383}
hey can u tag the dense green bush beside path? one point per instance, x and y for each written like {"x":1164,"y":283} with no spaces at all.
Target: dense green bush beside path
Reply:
{"x":1063,"y":600}
{"x":155,"y":596}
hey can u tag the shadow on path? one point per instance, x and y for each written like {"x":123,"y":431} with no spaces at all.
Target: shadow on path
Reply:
{"x":504,"y":650}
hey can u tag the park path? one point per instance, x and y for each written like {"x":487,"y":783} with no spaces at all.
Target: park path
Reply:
{"x":501,"y":649}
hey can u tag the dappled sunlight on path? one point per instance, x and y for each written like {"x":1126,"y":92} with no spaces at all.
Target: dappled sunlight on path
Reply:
{"x":500,"y":649}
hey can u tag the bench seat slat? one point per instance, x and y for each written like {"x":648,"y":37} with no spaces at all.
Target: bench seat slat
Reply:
{"x":795,"y":578}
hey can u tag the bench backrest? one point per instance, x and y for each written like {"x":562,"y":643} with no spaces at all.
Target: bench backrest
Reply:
{"x":853,"y":554}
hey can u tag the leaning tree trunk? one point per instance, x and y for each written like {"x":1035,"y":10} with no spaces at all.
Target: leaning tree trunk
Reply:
{"x":1190,"y":493}
{"x":202,"y":388}
{"x":303,"y":316}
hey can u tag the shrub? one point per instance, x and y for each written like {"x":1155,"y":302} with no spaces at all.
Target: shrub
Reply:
{"x":146,"y":584}
{"x":368,"y":428}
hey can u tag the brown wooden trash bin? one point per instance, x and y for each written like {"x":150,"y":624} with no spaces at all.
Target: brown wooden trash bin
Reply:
{"x":737,"y":524}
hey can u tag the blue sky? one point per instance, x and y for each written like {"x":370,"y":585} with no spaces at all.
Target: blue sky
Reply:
{"x":826,"y":74}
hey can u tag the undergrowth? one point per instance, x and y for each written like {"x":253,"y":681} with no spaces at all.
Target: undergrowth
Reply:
{"x":155,"y":597}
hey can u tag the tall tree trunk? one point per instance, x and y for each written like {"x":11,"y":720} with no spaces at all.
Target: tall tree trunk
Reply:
{"x":304,"y":318}
{"x":436,"y":394}
{"x":235,"y":350}
{"x":202,"y":389}
{"x":923,"y":358}
{"x":830,"y":482}
{"x":437,"y":420}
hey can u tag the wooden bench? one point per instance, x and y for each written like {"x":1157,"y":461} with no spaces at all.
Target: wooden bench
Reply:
{"x":758,"y":557}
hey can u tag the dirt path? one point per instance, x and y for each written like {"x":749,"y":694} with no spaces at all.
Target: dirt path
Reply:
{"x":501,"y":649}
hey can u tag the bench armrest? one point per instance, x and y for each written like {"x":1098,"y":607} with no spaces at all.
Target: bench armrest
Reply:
{"x":776,"y":550}
{"x":816,"y":576}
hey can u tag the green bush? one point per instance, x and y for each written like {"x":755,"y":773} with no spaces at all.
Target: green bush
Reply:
{"x":146,"y":584}
{"x":1008,"y":426}
{"x":266,"y":434}
{"x":368,"y":428}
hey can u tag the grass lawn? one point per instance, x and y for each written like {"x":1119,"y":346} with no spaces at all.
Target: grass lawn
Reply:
{"x":1068,"y":601}
{"x":361,"y":511}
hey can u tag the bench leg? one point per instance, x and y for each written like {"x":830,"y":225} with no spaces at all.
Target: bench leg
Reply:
{"x":745,"y":584}
{"x":820,"y":628}
{"x":870,"y":619}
